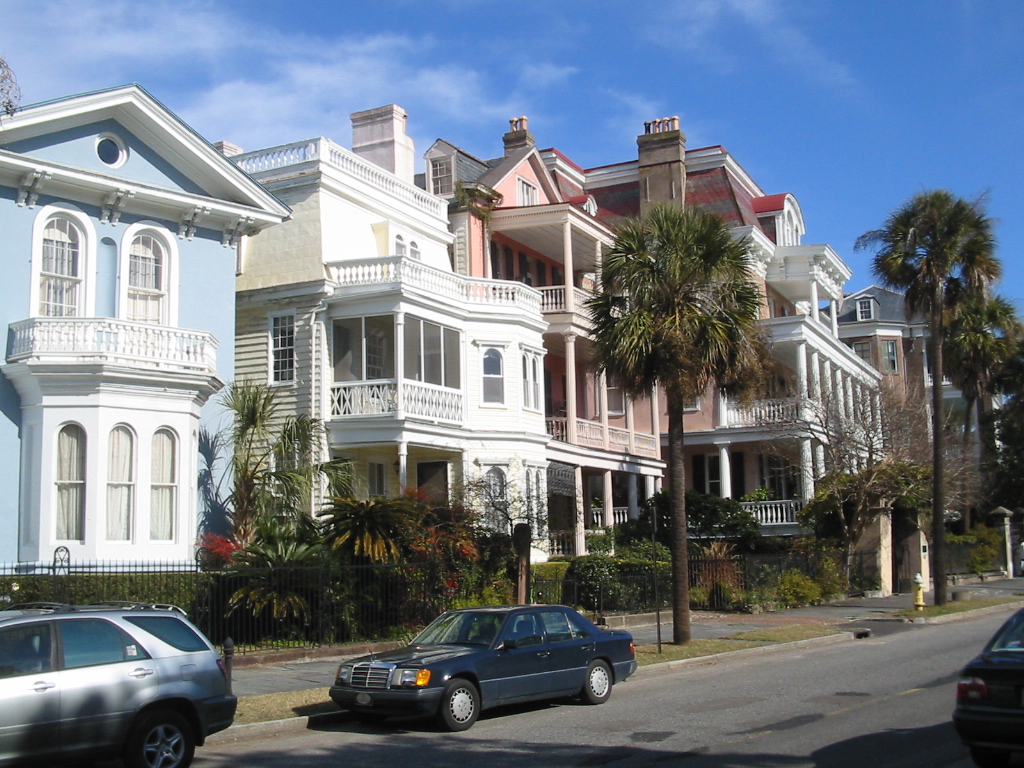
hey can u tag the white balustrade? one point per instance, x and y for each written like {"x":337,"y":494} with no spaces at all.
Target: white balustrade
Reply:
{"x":774,"y":512}
{"x":558,"y":428}
{"x":337,"y":156}
{"x":86,"y":339}
{"x":562,"y":543}
{"x":646,"y":445}
{"x":761,"y":412}
{"x":620,"y":515}
{"x":374,"y":398}
{"x":618,"y":439}
{"x":553,"y":298}
{"x":415,"y":274}
{"x":590,"y":433}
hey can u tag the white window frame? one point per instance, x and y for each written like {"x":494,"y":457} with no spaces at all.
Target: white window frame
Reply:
{"x":127,"y":483}
{"x":485,"y":377}
{"x":80,"y":482}
{"x":170,"y":486}
{"x":414,"y":250}
{"x":168,"y":293}
{"x":865,"y":310}
{"x":890,"y":356}
{"x":272,"y":349}
{"x":527,"y":193}
{"x":400,"y":249}
{"x":442,"y":184}
{"x":87,"y":249}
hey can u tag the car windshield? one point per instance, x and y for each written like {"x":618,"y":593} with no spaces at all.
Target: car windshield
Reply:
{"x":469,"y":628}
{"x":1011,"y":637}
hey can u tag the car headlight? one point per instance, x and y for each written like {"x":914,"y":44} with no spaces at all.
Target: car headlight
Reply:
{"x":344,"y":674}
{"x":411,"y":678}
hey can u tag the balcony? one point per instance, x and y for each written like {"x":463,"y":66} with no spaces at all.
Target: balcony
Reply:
{"x":411,"y":275}
{"x":553,"y":298}
{"x":386,"y":397}
{"x":762,"y":412}
{"x":773,"y":516}
{"x":104,"y":340}
{"x":592,"y":434}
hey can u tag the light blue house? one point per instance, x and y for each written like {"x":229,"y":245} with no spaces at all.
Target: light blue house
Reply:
{"x":120,"y":237}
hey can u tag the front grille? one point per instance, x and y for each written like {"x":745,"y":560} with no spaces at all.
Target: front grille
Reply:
{"x":367,"y":675}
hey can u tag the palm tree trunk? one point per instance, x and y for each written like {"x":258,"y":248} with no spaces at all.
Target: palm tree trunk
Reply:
{"x":967,"y":456}
{"x":938,"y":458}
{"x":680,"y":537}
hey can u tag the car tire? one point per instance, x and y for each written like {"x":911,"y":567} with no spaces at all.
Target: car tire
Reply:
{"x":460,"y":705}
{"x":597,"y":686}
{"x":986,"y":757}
{"x":160,"y":739}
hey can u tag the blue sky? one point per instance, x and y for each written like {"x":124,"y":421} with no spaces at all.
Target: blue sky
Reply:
{"x":850,"y":106}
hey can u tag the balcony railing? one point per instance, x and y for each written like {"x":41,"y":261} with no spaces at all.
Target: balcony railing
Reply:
{"x":413,"y":274}
{"x":553,"y":298}
{"x":774,"y":512}
{"x":90,"y":340}
{"x":591,"y":434}
{"x":562,"y":543}
{"x":414,"y":398}
{"x":761,"y":412}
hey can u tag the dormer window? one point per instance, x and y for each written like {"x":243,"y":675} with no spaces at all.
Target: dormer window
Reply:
{"x":441,"y":175}
{"x":865,"y":309}
{"x":527,"y":193}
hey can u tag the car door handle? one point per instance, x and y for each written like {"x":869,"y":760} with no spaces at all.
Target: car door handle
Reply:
{"x":140,"y":673}
{"x":543,"y":654}
{"x":42,"y":685}
{"x":590,"y":647}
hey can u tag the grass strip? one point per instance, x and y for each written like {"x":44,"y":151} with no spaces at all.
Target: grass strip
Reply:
{"x":278,"y":706}
{"x":648,"y":654}
{"x":785,"y":634}
{"x":956,"y":606}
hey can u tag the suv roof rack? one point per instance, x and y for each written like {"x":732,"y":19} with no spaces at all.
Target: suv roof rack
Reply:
{"x":41,"y":605}
{"x":112,"y":605}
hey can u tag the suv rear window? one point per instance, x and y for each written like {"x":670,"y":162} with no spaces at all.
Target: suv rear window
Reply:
{"x":172,"y":631}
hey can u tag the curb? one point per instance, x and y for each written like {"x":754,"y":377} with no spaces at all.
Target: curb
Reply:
{"x":269,"y":727}
{"x":964,"y":615}
{"x":716,"y":658}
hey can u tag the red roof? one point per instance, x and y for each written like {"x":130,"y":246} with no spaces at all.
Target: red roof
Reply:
{"x":770,"y":203}
{"x":562,"y":155}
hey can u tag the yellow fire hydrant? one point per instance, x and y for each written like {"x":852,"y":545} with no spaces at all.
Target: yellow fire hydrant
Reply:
{"x":918,"y":592}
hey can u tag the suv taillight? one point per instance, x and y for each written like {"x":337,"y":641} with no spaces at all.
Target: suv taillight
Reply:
{"x":223,"y":668}
{"x":971,"y":689}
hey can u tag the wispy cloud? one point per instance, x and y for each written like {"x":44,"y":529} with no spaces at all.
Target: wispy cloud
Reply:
{"x":701,"y":28}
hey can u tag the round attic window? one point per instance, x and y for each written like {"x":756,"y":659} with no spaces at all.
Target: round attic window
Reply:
{"x":111,"y":150}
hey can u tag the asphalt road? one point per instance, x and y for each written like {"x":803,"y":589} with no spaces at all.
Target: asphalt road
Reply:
{"x":881,"y":702}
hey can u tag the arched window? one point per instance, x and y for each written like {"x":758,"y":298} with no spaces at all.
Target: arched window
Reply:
{"x":494,"y":377}
{"x":147,"y":275}
{"x":399,"y":245}
{"x":120,"y":484}
{"x":60,"y":274}
{"x":164,"y":486}
{"x":414,"y":250}
{"x":71,"y":483}
{"x":496,"y":483}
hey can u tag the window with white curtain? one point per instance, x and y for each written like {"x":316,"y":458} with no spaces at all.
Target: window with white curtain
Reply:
{"x":164,"y":486}
{"x":147,"y":265}
{"x":494,"y":377}
{"x":120,"y":484}
{"x":60,"y":279}
{"x":71,"y":483}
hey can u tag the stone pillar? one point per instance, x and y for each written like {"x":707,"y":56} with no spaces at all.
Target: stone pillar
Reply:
{"x":570,"y":279}
{"x":725,"y":471}
{"x":570,"y":387}
{"x":607,"y":512}
{"x":650,"y":486}
{"x":819,"y":461}
{"x":403,"y":464}
{"x":722,"y":420}
{"x":816,"y":376}
{"x":580,"y":528}
{"x":1001,"y":519}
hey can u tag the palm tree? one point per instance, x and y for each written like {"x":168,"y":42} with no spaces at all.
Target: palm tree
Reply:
{"x":276,"y":472}
{"x":372,"y":529}
{"x":938,"y":249}
{"x":676,"y":308}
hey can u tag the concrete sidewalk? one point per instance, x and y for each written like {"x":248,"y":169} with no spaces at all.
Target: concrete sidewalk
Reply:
{"x":875,"y":613}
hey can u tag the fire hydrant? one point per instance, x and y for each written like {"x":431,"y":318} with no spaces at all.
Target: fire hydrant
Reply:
{"x":918,"y":592}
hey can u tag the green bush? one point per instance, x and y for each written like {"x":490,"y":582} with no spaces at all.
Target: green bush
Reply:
{"x":642,"y":551}
{"x":797,"y":588}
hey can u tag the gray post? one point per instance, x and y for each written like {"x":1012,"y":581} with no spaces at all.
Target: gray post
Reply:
{"x":1001,"y":517}
{"x":229,"y":660}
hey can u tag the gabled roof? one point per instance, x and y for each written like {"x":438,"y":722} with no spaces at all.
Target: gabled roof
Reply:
{"x":890,"y":306}
{"x":505,"y":166}
{"x":227,"y":190}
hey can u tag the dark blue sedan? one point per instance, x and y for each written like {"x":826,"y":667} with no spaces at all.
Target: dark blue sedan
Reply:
{"x":473,"y":659}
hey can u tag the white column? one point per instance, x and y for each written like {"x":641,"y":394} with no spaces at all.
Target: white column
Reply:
{"x":816,"y":376}
{"x":650,"y":486}
{"x":403,"y":464}
{"x":819,"y":460}
{"x":725,"y":471}
{"x":848,"y":386}
{"x":629,"y":424}
{"x":834,"y":312}
{"x":602,"y":399}
{"x":399,"y":365}
{"x":806,"y":469}
{"x":801,"y":379}
{"x":722,"y":419}
{"x":655,"y":416}
{"x":608,"y":514}
{"x":814,"y":301}
{"x":579,"y":528}
{"x":570,"y":297}
{"x":633,"y":498}
{"x":570,"y":387}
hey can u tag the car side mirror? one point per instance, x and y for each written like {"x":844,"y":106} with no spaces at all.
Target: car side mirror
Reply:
{"x":510,"y":644}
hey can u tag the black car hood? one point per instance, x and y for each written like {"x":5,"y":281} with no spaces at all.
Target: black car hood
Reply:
{"x":422,"y":654}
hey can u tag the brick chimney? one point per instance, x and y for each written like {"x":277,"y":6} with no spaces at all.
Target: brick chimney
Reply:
{"x":518,"y":136}
{"x":378,"y":135}
{"x":662,"y":153}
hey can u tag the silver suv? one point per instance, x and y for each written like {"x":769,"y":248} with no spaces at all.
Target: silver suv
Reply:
{"x":139,"y":681}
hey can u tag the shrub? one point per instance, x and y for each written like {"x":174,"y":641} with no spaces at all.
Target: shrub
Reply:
{"x":797,"y":588}
{"x":642,"y":551}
